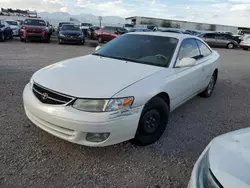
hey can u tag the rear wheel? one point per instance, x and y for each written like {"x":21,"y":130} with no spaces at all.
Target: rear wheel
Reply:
{"x":230,"y":46}
{"x":153,"y":122}
{"x":210,"y":88}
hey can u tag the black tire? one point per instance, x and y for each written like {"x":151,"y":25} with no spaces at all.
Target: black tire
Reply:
{"x":23,"y":40}
{"x":210,"y":88}
{"x":11,"y":35}
{"x":2,"y":39}
{"x":230,"y":45}
{"x":153,"y":122}
{"x":100,"y":39}
{"x":83,"y":42}
{"x":245,"y":48}
{"x":59,"y":41}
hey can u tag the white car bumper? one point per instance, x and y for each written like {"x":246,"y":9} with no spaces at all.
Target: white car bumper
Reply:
{"x":73,"y":125}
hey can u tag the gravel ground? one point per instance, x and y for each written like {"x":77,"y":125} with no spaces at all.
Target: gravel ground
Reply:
{"x":30,"y":157}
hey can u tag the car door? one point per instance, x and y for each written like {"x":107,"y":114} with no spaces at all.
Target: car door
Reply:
{"x":207,"y":61}
{"x":221,"y":40}
{"x":114,"y":33}
{"x":188,"y":80}
{"x":210,"y":39}
{"x":106,"y":33}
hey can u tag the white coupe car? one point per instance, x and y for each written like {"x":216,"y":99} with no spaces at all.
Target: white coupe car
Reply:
{"x":123,"y":91}
{"x":225,"y":163}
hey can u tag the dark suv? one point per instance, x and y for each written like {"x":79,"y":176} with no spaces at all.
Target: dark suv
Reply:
{"x":219,"y":40}
{"x":108,"y":33}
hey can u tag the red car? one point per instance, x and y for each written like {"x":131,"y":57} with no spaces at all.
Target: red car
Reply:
{"x":34,"y":29}
{"x":108,"y":33}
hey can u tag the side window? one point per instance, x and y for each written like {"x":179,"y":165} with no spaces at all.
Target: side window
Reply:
{"x":205,"y":51}
{"x":113,"y":30}
{"x":189,"y":48}
{"x":220,"y":37}
{"x":209,"y":35}
{"x":106,"y":29}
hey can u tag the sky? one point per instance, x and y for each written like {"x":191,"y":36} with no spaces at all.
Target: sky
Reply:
{"x":228,"y":12}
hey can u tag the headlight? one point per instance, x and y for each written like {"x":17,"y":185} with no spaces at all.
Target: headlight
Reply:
{"x":61,"y":35}
{"x":80,"y":36}
{"x":206,"y":179}
{"x":103,"y":105}
{"x":31,"y":82}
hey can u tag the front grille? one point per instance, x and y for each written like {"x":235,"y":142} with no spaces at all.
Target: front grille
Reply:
{"x":72,"y":36}
{"x":48,"y":96}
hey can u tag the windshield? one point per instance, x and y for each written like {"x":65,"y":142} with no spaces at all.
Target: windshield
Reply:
{"x":145,"y":49}
{"x":70,"y":27}
{"x":34,"y":22}
{"x":128,"y":25}
{"x":12,"y":22}
{"x":86,"y":24}
{"x":62,"y":23}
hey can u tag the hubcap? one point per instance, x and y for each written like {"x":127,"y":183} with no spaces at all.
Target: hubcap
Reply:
{"x":211,"y":85}
{"x":230,"y":46}
{"x":151,"y":121}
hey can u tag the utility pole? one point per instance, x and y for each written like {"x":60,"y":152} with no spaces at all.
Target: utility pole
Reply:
{"x":100,"y":20}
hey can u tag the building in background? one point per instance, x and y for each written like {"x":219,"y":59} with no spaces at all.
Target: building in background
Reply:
{"x":18,"y":12}
{"x":137,"y":20}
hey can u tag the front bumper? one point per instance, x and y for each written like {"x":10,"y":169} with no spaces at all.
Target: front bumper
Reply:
{"x":15,"y":32}
{"x":245,"y":45}
{"x":73,"y":125}
{"x":42,"y":36}
{"x":71,"y":40}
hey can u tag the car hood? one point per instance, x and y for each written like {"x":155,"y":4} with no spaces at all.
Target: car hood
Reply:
{"x":14,"y":26}
{"x":92,"y":76}
{"x":229,"y":157}
{"x":68,"y":32}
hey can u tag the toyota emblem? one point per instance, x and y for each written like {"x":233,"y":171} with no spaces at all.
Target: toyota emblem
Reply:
{"x":44,"y":96}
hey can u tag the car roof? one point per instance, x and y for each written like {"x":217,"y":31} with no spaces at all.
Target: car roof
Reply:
{"x":179,"y":36}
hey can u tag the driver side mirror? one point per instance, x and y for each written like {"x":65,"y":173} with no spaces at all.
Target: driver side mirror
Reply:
{"x":186,"y":62}
{"x":97,"y":48}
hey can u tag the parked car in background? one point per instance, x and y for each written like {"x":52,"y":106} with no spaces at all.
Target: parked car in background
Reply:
{"x":140,"y":30}
{"x":50,"y":28}
{"x":91,"y":31}
{"x":34,"y":29}
{"x":224,"y":163}
{"x":108,"y":33}
{"x":15,"y":26}
{"x":219,"y":40}
{"x":62,"y":23}
{"x":192,"y":32}
{"x":245,"y":43}
{"x":124,"y":90}
{"x":238,"y":38}
{"x":5,"y":31}
{"x":71,"y":34}
{"x":84,"y":27}
{"x":129,"y":27}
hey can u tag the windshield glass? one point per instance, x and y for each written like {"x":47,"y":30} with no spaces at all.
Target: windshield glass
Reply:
{"x":62,"y":23}
{"x":34,"y":22}
{"x":70,"y":27}
{"x":86,"y":24}
{"x":145,"y":49}
{"x":12,"y":22}
{"x":128,"y":25}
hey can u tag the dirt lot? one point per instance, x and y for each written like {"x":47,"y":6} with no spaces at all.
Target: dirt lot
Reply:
{"x":30,"y":157}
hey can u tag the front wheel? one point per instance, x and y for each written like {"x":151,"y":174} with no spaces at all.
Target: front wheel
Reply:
{"x":230,"y":46}
{"x":2,"y":37}
{"x":11,"y":35}
{"x":153,"y":122}
{"x":210,"y":88}
{"x":100,"y":39}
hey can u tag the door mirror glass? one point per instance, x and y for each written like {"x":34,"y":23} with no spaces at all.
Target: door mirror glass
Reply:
{"x":97,"y":48}
{"x":186,"y":62}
